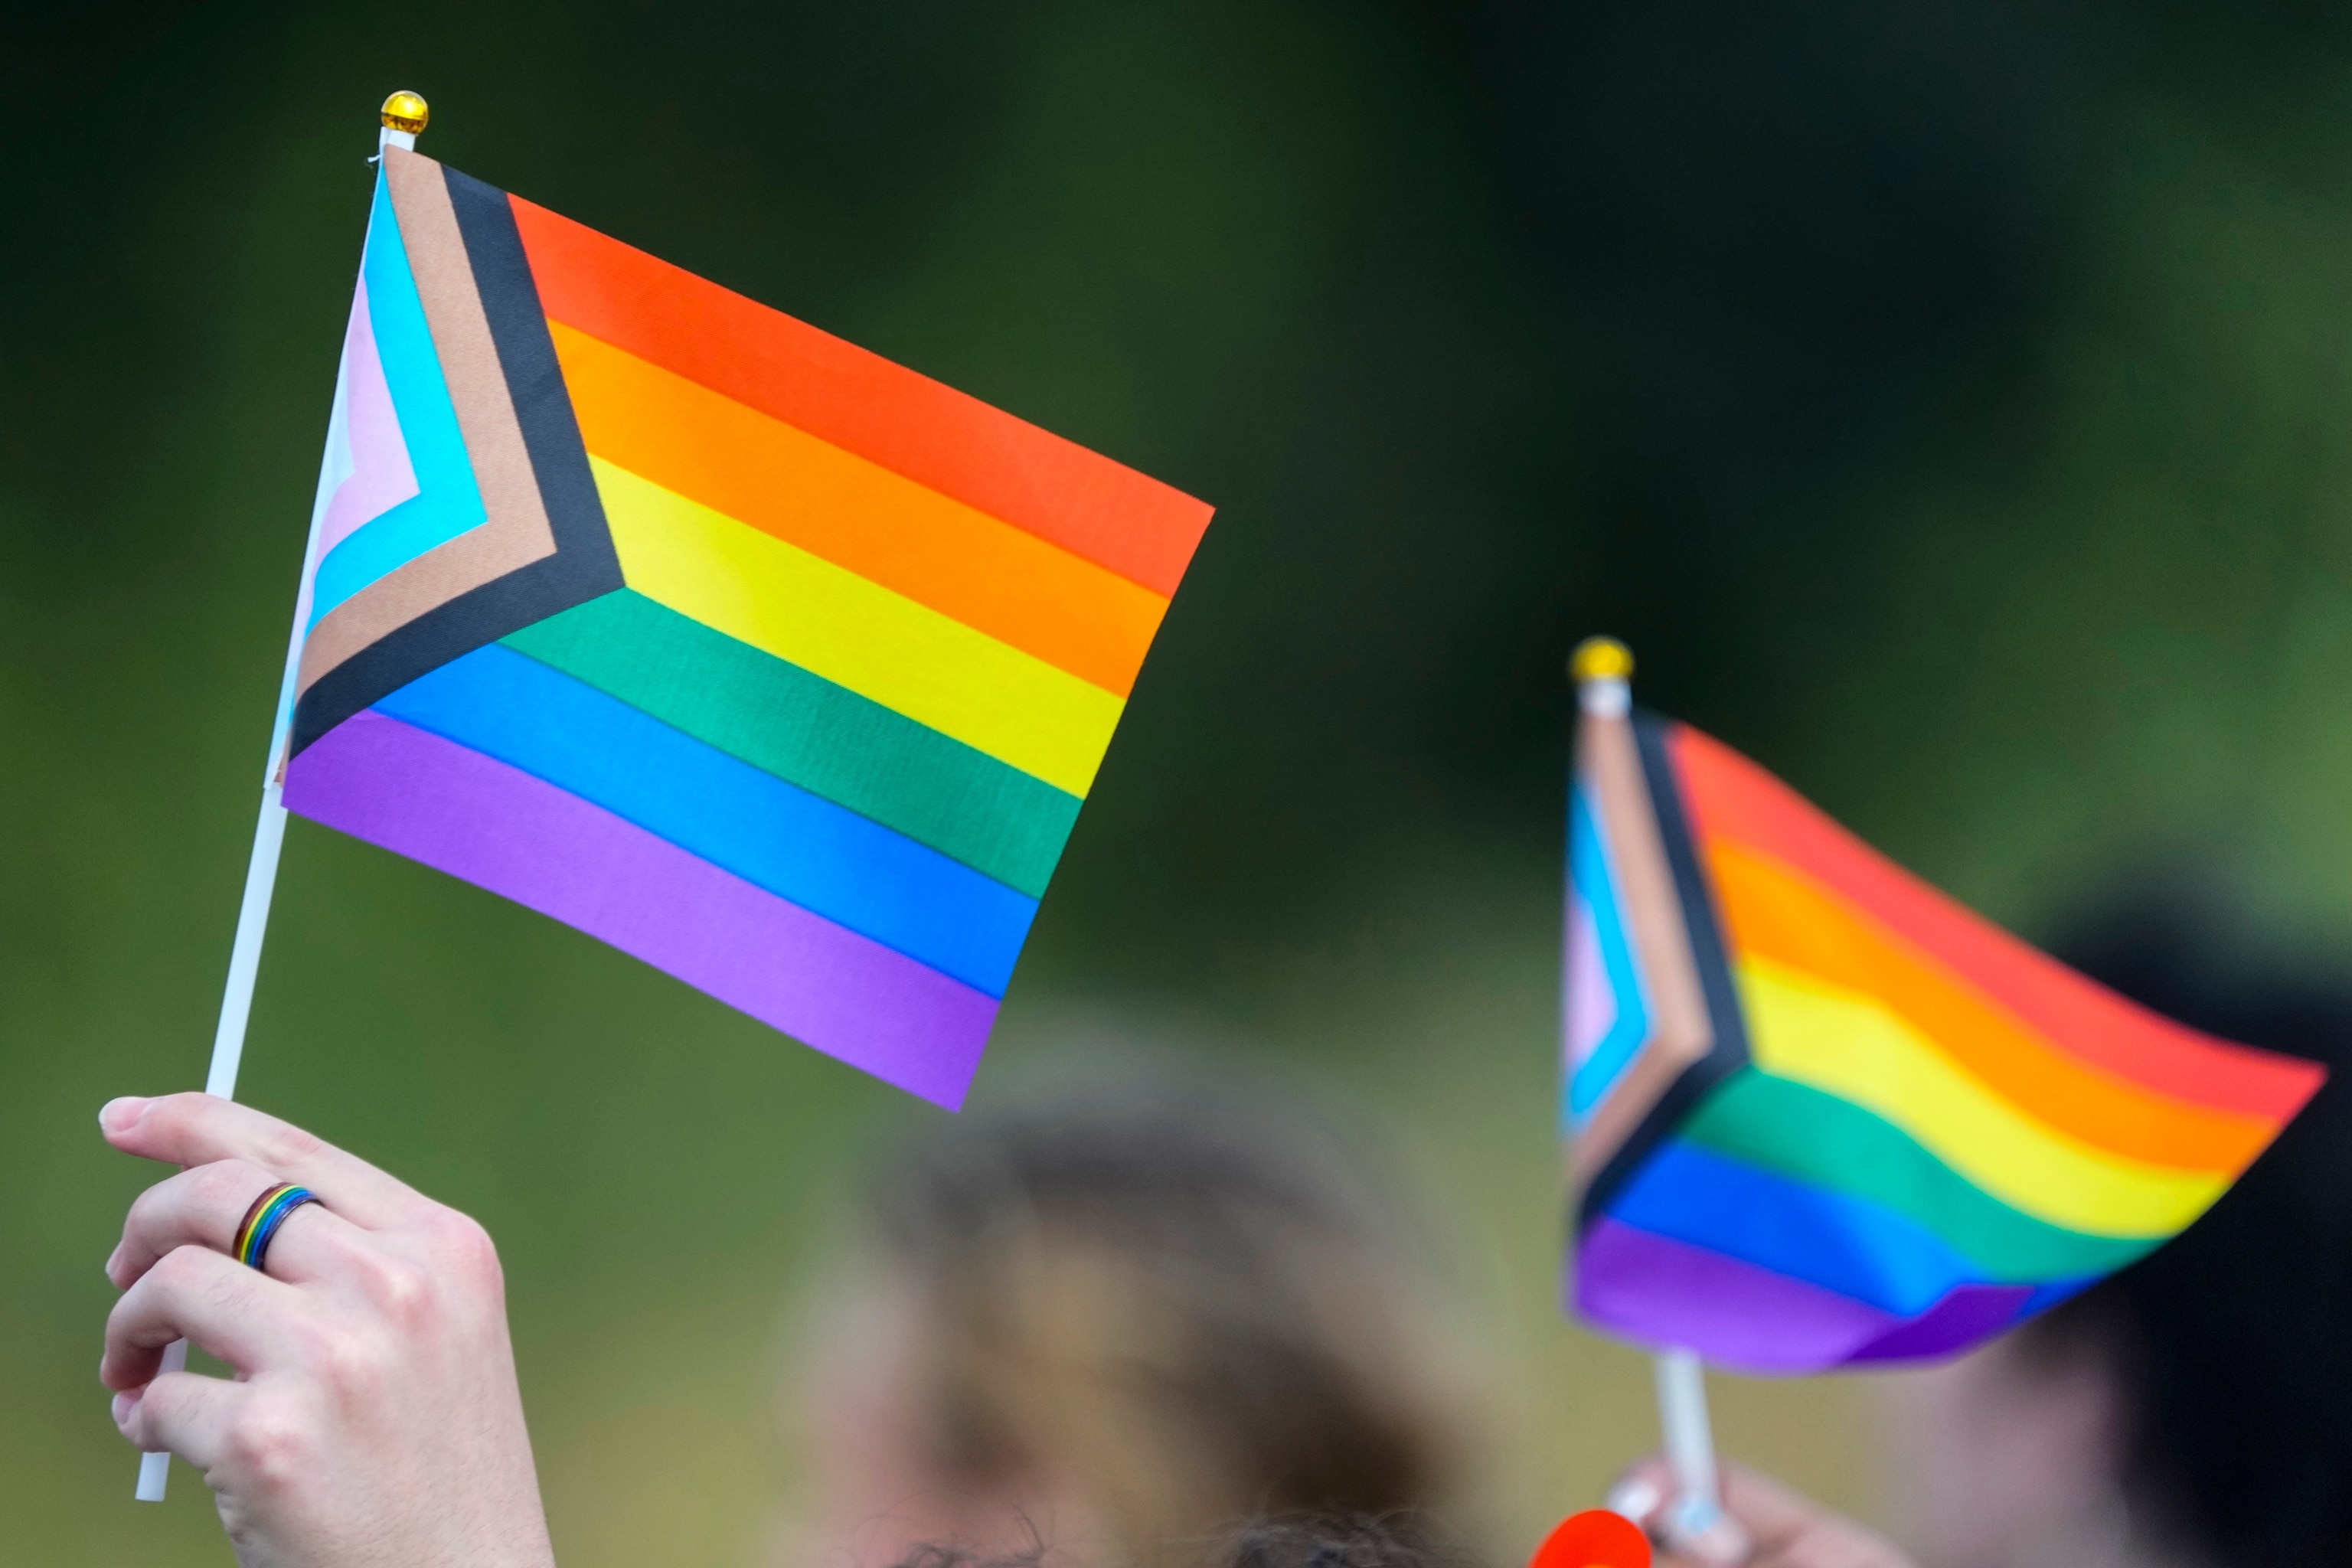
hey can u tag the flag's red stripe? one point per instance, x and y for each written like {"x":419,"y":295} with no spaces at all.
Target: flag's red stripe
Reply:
{"x":959,"y":445}
{"x":1731,"y":798}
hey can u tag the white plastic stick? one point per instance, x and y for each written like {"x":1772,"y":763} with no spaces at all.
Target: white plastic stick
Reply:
{"x":236,"y":999}
{"x":155,"y":1469}
{"x":253,"y":912}
{"x":1689,"y":1440}
{"x":244,"y":952}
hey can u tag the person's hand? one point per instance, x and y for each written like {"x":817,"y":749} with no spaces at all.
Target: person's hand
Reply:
{"x":1782,"y":1529}
{"x":374,"y":1418}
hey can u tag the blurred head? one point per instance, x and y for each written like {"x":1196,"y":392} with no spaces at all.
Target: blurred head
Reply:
{"x":1114,"y":1320}
{"x":1285,"y":1542}
{"x":2195,"y":1408}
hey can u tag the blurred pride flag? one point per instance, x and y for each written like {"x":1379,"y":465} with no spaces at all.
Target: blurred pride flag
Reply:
{"x":781,"y":667}
{"x":1822,"y":1115}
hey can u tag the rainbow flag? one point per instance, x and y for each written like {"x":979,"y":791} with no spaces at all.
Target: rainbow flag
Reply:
{"x":1822,"y":1115}
{"x":774,"y":664}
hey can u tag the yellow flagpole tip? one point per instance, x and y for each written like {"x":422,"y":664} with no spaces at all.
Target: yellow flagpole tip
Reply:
{"x":405,"y":111}
{"x":1600,"y":658}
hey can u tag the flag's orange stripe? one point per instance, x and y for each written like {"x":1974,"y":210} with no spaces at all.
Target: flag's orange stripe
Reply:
{"x":1776,"y":911}
{"x":886,"y":414}
{"x":1733,"y":800}
{"x":967,"y":565}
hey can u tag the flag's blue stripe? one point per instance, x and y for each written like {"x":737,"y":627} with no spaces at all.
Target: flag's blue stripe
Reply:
{"x":1594,"y":881}
{"x":799,"y":846}
{"x":447,"y":502}
{"x":1841,"y":1243}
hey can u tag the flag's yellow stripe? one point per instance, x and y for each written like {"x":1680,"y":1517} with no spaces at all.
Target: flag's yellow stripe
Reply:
{"x":1847,"y":1043}
{"x":809,"y":612}
{"x":992,"y":577}
{"x":1778,"y":911}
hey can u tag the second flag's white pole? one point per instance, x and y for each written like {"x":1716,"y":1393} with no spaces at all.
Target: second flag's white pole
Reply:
{"x":1689,"y":1439}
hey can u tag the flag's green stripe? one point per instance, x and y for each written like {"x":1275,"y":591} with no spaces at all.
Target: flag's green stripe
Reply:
{"x":807,"y":731}
{"x":1814,"y":1137}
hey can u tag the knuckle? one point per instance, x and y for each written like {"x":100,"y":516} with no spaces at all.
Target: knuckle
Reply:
{"x":351,"y":1365}
{"x":284,"y":1144}
{"x":121,"y":1323}
{"x":181,"y":1269}
{"x":401,"y":1291}
{"x":144,"y":1210}
{"x":463,"y":1252}
{"x":228,"y":1182}
{"x":468,"y":1245}
{"x":271,"y":1443}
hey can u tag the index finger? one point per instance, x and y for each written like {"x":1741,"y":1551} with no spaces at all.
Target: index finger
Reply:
{"x":199,"y":1129}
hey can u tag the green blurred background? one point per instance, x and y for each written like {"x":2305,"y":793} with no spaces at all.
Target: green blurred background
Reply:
{"x":1947,"y":400}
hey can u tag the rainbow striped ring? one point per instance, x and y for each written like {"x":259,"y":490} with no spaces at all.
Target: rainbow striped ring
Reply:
{"x":262,"y":1220}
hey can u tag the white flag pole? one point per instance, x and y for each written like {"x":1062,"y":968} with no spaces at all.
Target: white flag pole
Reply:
{"x":1689,"y":1438}
{"x":1697,"y":1524}
{"x":244,"y":952}
{"x":252,"y":921}
{"x":403,"y":116}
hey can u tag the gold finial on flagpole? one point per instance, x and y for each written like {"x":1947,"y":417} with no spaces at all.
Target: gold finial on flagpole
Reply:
{"x":1602,"y":669}
{"x":1600,"y":658}
{"x":405,"y":111}
{"x":403,"y":115}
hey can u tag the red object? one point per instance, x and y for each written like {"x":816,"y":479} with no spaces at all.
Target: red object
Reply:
{"x":1594,"y":1539}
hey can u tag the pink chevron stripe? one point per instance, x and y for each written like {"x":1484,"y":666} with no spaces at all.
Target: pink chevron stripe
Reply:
{"x":1591,"y":1003}
{"x":381,"y":477}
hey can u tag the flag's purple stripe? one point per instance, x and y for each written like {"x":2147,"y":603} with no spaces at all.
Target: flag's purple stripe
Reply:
{"x":499,"y":827}
{"x":1970,"y":1314}
{"x":1839,"y":1241}
{"x":1664,"y":1292}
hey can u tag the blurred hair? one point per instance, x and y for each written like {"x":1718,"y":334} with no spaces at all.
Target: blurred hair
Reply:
{"x":1293,"y":1541}
{"x":1349,"y":1541}
{"x":1181,"y":1297}
{"x":2234,"y":1344}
